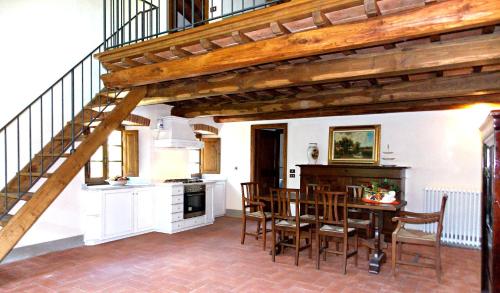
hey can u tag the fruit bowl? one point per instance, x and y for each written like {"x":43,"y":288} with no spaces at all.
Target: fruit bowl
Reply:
{"x":117,"y":181}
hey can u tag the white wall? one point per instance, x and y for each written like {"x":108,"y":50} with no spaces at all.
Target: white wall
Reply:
{"x":443,"y":148}
{"x":43,"y":40}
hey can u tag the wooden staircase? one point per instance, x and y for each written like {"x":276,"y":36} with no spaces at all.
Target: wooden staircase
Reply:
{"x":20,"y":188}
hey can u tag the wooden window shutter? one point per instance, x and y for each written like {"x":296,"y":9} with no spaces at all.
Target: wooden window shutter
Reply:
{"x":130,"y":140}
{"x":210,"y":156}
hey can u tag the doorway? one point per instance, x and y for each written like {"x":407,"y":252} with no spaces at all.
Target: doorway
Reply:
{"x":183,"y":13}
{"x":269,"y":156}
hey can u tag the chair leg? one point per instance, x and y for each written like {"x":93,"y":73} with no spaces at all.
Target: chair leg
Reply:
{"x":258,"y":231}
{"x":400,"y":250}
{"x":438,"y":263}
{"x":318,"y":246}
{"x":264,"y":232}
{"x":297,"y":247}
{"x":273,"y":241}
{"x":344,"y":254}
{"x":325,"y":247}
{"x":394,"y":252}
{"x":356,"y":249}
{"x":310,"y":244}
{"x":243,"y":229}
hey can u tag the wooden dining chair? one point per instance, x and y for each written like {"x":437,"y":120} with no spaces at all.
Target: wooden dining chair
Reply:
{"x":358,"y":222}
{"x":402,"y":235}
{"x":331,"y":210}
{"x":286,"y":225}
{"x":253,"y":210}
{"x":307,"y":209}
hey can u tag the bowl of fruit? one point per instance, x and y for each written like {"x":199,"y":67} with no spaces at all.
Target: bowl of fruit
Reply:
{"x":117,"y":180}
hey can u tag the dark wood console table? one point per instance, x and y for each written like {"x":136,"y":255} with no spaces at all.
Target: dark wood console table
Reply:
{"x":338,"y":176}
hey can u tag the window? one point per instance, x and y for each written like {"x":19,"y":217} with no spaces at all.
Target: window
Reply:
{"x":107,"y":161}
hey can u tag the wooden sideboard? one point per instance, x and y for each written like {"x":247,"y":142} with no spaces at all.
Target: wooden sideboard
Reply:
{"x":338,"y":176}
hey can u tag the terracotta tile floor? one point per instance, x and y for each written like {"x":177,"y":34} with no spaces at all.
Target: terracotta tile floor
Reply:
{"x":211,"y":259}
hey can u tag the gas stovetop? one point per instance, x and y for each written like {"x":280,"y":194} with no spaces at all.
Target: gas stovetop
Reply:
{"x":185,"y":181}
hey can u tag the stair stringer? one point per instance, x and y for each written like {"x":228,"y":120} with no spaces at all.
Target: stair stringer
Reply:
{"x":29,"y":213}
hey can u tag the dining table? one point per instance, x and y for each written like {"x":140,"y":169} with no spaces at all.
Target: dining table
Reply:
{"x":377,"y":209}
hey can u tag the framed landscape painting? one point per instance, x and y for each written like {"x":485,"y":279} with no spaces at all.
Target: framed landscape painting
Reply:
{"x":354,"y":145}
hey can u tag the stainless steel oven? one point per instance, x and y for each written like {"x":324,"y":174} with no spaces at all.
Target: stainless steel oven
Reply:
{"x":194,"y":200}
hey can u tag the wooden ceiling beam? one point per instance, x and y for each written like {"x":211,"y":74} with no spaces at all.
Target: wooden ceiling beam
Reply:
{"x":469,"y":52}
{"x":409,"y":106}
{"x":433,"y":19}
{"x":445,"y":87}
{"x":246,"y":22}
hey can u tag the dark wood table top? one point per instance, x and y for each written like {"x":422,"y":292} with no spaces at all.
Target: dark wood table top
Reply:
{"x":355,"y":203}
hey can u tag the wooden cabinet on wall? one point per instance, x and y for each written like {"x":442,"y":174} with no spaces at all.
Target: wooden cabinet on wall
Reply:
{"x":210,"y":156}
{"x":338,"y":176}
{"x":490,"y":267}
{"x":130,"y":142}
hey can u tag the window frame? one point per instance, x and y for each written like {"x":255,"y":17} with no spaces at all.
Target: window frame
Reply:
{"x":105,"y":162}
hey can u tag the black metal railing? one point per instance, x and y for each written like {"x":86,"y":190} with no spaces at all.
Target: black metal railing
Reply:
{"x":158,"y":17}
{"x":50,"y":126}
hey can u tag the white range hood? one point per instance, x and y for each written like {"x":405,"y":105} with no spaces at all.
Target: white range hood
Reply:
{"x":175,"y":132}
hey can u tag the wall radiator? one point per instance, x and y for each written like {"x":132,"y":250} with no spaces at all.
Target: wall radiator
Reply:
{"x":462,"y":219}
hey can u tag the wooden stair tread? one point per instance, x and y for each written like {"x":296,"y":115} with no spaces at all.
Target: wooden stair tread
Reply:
{"x":35,"y":174}
{"x":5,"y":219}
{"x":14,"y":195}
{"x":65,"y":155}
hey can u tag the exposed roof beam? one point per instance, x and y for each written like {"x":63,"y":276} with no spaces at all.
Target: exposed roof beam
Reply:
{"x":409,"y":106}
{"x":425,"y":21}
{"x":468,"y":52}
{"x":445,"y":87}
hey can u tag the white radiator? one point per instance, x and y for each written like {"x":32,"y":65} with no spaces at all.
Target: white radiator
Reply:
{"x":462,"y":219}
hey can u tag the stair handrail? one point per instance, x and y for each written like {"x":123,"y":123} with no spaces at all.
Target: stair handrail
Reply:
{"x":93,"y":86}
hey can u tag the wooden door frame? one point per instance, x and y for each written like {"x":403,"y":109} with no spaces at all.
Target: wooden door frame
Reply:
{"x":254,"y":128}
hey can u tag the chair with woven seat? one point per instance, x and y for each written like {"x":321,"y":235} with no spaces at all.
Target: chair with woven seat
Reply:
{"x":331,"y":210}
{"x":402,"y":235}
{"x":287,"y":225}
{"x":356,"y":192}
{"x":253,"y":210}
{"x":308,"y":215}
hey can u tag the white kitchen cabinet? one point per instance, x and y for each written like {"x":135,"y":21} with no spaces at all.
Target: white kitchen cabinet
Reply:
{"x":118,"y":213}
{"x":144,"y":199}
{"x":219,"y":198}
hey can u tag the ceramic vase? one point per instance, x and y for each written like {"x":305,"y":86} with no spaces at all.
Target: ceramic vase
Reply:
{"x":312,"y":153}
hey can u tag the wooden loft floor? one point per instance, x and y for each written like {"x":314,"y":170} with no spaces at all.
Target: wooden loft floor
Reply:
{"x":318,"y":58}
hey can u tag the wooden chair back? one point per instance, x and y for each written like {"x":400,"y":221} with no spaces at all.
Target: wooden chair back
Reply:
{"x":331,"y":208}
{"x":441,"y":217}
{"x":249,"y":194}
{"x":354,"y":191}
{"x":281,"y":206}
{"x":310,"y":188}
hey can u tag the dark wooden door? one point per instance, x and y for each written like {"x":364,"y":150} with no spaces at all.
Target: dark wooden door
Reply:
{"x":490,"y":268}
{"x":267,"y":171}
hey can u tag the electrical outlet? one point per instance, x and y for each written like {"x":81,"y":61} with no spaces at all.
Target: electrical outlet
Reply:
{"x":292,"y":175}
{"x":213,"y":8}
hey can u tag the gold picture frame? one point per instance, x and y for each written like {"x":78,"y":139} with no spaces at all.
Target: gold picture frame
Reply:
{"x":354,"y":145}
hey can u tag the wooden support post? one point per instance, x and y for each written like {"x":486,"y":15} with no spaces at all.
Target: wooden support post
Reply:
{"x":278,"y":29}
{"x":178,"y":52}
{"x":320,"y":19}
{"x":371,"y":8}
{"x":208,"y":45}
{"x":240,"y":38}
{"x":131,"y":63}
{"x":153,"y":58}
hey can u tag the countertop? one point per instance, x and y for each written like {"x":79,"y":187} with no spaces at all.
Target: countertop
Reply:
{"x":111,"y":187}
